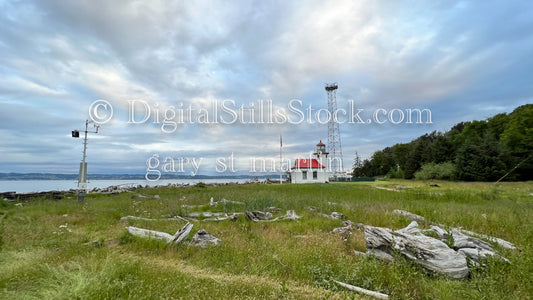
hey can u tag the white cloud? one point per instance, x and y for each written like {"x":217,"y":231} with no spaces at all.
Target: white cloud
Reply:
{"x":57,"y":57}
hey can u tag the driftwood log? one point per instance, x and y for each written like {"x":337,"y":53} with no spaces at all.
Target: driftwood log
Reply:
{"x":354,"y":288}
{"x":178,"y":237}
{"x":500,"y":242}
{"x":430,"y":253}
{"x":129,"y":218}
{"x":468,"y":246}
{"x":207,"y":214}
{"x":212,"y":202}
{"x":231,"y":217}
{"x":258,"y":215}
{"x":335,"y":216}
{"x":289,"y":215}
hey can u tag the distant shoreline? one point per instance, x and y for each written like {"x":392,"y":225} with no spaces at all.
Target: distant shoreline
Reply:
{"x":54,"y":176}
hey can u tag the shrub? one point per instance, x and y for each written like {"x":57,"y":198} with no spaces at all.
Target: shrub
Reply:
{"x":396,"y":173}
{"x":436,"y":171}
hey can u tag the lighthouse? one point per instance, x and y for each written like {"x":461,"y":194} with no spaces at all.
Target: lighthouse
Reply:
{"x":311,"y":170}
{"x":321,"y":154}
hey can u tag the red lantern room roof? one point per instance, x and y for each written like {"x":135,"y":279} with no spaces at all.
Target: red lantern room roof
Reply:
{"x":321,"y":144}
{"x":303,"y":163}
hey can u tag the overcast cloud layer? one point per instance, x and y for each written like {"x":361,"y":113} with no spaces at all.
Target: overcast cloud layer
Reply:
{"x":462,"y":60}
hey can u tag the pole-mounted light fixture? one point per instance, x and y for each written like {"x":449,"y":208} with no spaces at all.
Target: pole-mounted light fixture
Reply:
{"x":82,"y":177}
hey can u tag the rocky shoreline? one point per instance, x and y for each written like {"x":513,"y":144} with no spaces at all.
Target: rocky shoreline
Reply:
{"x":110,"y":190}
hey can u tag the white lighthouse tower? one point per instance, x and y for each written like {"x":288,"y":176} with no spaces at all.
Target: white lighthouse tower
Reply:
{"x":321,"y":155}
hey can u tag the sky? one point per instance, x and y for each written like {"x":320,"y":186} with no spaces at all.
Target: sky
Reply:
{"x":151,"y":60}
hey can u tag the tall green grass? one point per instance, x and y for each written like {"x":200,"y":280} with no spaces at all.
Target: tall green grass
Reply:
{"x":93,"y":257}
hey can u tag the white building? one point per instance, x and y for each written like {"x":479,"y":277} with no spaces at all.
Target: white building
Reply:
{"x":311,"y":170}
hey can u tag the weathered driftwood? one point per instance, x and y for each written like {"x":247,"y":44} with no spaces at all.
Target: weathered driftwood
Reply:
{"x":203,"y":239}
{"x":412,"y":228}
{"x":403,"y":187}
{"x":207,"y":214}
{"x":500,"y":242}
{"x":345,"y":229}
{"x":354,"y":288}
{"x":428,"y":252}
{"x":127,"y":218}
{"x":381,"y":255}
{"x":273,"y":209}
{"x":231,"y":217}
{"x":463,"y":241}
{"x":192,"y":206}
{"x":479,"y":254}
{"x":179,"y":236}
{"x":182,"y":234}
{"x":258,"y":215}
{"x":408,"y":215}
{"x":335,"y":216}
{"x":471,"y":247}
{"x":441,"y":233}
{"x":212,"y":202}
{"x":290,"y":215}
{"x":385,"y":188}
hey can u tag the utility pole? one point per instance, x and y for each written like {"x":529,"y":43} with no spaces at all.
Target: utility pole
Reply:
{"x":82,"y":176}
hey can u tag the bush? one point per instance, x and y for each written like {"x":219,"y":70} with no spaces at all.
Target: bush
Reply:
{"x":396,"y":173}
{"x":436,"y":171}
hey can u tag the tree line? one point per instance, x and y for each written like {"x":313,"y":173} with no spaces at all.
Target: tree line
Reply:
{"x":485,"y":150}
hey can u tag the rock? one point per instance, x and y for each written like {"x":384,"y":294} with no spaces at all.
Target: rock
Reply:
{"x":204,"y":239}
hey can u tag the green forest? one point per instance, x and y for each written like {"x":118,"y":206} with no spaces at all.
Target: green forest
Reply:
{"x":486,"y":150}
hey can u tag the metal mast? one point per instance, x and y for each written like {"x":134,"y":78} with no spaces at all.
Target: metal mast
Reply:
{"x":334,"y":137}
{"x":82,"y":177}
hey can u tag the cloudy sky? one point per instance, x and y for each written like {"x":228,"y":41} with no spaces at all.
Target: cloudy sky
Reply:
{"x":462,"y":60}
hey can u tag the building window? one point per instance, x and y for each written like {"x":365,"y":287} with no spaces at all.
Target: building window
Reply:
{"x":304,"y":175}
{"x":315,"y":175}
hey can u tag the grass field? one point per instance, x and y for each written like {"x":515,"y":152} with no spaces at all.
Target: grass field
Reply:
{"x":66,"y":250}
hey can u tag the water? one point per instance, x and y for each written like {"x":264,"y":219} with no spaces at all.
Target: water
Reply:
{"x":24,"y":186}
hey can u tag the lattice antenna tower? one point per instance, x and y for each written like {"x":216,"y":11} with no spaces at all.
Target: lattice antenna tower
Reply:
{"x":334,"y":137}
